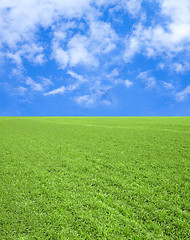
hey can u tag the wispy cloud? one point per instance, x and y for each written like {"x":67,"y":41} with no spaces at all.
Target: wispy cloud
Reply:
{"x":183,"y":95}
{"x":20,"y":90}
{"x":60,"y":90}
{"x":76,"y":76}
{"x":98,"y":93}
{"x":149,"y":81}
{"x":80,"y":80}
{"x":34,"y":85}
{"x":167,"y":85}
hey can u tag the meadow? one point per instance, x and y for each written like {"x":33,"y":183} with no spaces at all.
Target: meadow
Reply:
{"x":94,"y":178}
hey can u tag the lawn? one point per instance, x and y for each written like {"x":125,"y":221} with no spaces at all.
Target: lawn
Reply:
{"x":94,"y":178}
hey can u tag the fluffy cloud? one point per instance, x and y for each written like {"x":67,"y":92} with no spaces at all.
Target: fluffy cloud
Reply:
{"x":76,"y":33}
{"x":133,"y":6}
{"x":60,"y":56}
{"x":169,"y":37}
{"x":85,"y":49}
{"x":22,"y":18}
{"x":78,"y":51}
{"x":128,"y":83}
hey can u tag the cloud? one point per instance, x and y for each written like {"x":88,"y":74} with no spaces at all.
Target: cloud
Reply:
{"x":167,"y":37}
{"x":180,"y":67}
{"x":132,"y":6}
{"x":34,"y":85}
{"x":128,"y":83}
{"x":84,"y":34}
{"x":60,"y":90}
{"x":21,"y":21}
{"x":46,"y":81}
{"x":32,"y":52}
{"x":177,"y":67}
{"x":21,"y":18}
{"x":78,"y":50}
{"x":60,"y":56}
{"x":20,"y":90}
{"x":86,"y":49}
{"x":103,"y":37}
{"x":98,"y":93}
{"x":114,"y":73}
{"x":15,"y":57}
{"x":85,"y":99}
{"x":167,"y":85}
{"x":183,"y":95}
{"x":149,"y":81}
{"x":80,"y":80}
{"x":133,"y":47}
{"x":76,"y":76}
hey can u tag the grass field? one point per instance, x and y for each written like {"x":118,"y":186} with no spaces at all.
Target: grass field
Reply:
{"x":94,"y":178}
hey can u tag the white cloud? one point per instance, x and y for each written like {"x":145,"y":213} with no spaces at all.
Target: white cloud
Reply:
{"x":78,"y":50}
{"x":17,"y":72}
{"x":39,"y":59}
{"x":32,"y":53}
{"x":34,"y":85}
{"x":133,"y":46}
{"x":60,"y":90}
{"x":114,"y":73}
{"x":80,"y":80}
{"x":22,"y":18}
{"x":15,"y":57}
{"x":169,"y":37}
{"x":20,"y":90}
{"x":60,"y":56}
{"x":46,"y":81}
{"x":167,"y":85}
{"x":178,"y":67}
{"x":97,"y":94}
{"x":133,"y":6}
{"x":85,"y":99}
{"x":128,"y":83}
{"x":76,"y":76}
{"x":21,"y":21}
{"x":102,"y":37}
{"x":181,"y":96}
{"x":71,"y":42}
{"x":149,"y":81}
{"x":85,"y":49}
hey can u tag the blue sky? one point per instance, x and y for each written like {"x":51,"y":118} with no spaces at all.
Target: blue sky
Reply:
{"x":95,"y":58}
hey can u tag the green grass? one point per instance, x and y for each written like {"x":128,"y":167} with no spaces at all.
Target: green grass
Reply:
{"x":94,"y":178}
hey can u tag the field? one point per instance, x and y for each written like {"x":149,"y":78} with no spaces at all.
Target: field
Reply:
{"x":94,"y":178}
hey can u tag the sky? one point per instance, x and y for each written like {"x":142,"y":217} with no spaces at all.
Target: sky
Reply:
{"x":94,"y":58}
